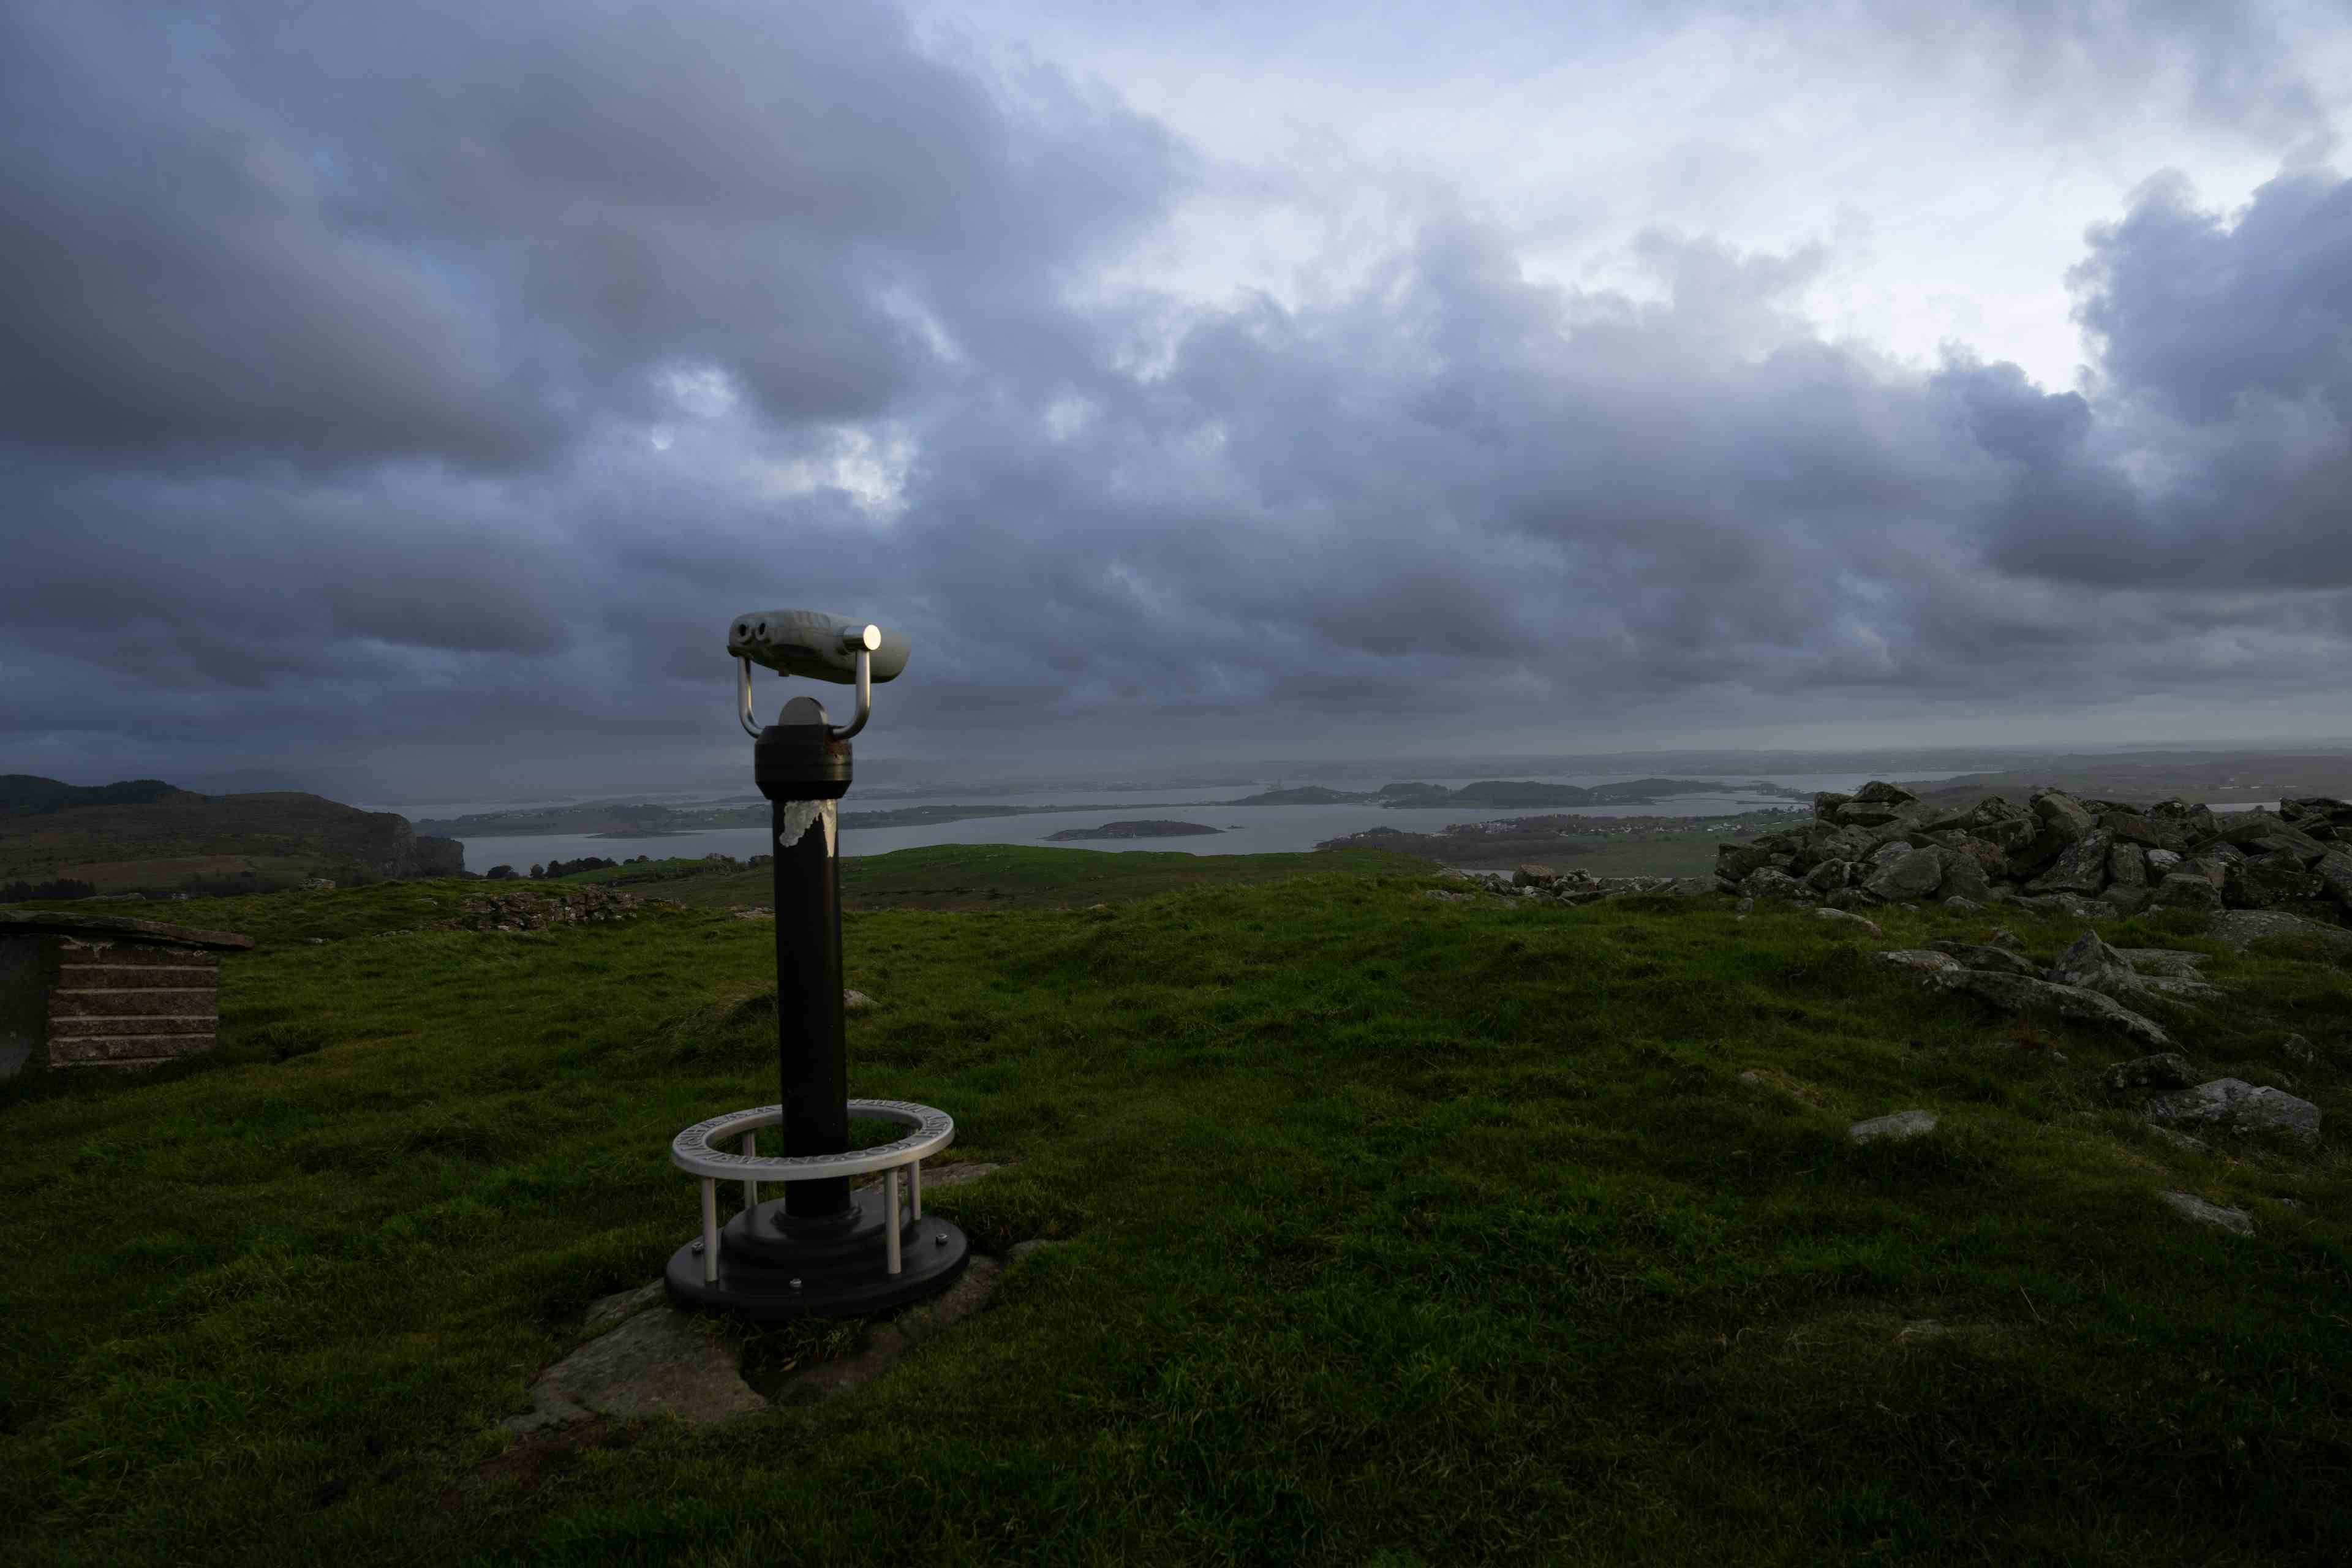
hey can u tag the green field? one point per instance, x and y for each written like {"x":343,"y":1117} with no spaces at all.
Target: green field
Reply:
{"x":1400,"y":1231}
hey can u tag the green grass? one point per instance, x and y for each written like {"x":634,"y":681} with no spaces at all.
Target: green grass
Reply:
{"x":1399,"y":1231}
{"x":1020,"y":877}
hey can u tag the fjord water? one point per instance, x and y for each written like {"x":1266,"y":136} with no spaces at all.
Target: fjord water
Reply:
{"x":1243,"y":829}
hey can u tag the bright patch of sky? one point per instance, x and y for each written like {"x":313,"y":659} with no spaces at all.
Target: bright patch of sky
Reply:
{"x":1944,"y":165}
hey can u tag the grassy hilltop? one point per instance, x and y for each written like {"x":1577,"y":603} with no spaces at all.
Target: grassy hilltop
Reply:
{"x":1397,"y":1230}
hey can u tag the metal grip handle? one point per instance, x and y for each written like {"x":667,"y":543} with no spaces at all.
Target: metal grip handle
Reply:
{"x":862,"y":641}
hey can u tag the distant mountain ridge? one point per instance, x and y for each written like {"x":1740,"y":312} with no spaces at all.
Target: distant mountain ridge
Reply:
{"x":148,"y":836}
{"x":29,"y":794}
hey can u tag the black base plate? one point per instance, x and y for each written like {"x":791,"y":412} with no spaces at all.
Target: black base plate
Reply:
{"x":765,"y":1277}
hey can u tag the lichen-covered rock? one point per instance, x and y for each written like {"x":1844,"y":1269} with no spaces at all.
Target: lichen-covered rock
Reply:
{"x":1532,"y":875}
{"x":2081,"y":867}
{"x":2186,"y":890}
{"x":1771,"y":882}
{"x":1913,"y":875}
{"x":2062,"y":813}
{"x":1901,"y":1125}
{"x":2126,"y":865}
{"x":2089,"y":963}
{"x":1977,"y":955}
{"x":1964,"y":876}
{"x":1829,"y":876}
{"x":2017,"y":994}
{"x":2188,"y":1205}
{"x":2166,"y":1070}
{"x":1917,"y":958}
{"x":2234,"y":1105}
{"x":1850,"y":918}
{"x":2240,"y":927}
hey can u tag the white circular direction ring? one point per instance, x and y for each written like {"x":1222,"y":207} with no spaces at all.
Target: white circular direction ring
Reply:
{"x":692,"y":1152}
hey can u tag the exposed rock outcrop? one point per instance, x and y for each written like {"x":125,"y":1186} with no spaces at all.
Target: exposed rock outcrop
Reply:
{"x":2094,"y":858}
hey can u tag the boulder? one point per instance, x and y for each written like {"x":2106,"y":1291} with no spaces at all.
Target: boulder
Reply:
{"x":1826,"y":801}
{"x":1917,"y":958}
{"x":1974,"y":955}
{"x":1533,"y":876}
{"x":2166,"y":1070}
{"x":1878,"y":792}
{"x":2190,"y":1206}
{"x":2334,"y":870}
{"x":1901,"y":1125}
{"x":1960,"y":905}
{"x":1867,"y":814}
{"x":1829,"y":876}
{"x":2161,"y":862}
{"x":1736,"y":862}
{"x":1888,"y":852}
{"x":2063,"y":815}
{"x":2277,"y":879}
{"x":2082,"y":866}
{"x":1849,"y":917}
{"x":2233,"y":1105}
{"x":2018,"y":993}
{"x":2297,"y":1049}
{"x":2126,"y":865}
{"x":2186,"y":890}
{"x":1771,"y":882}
{"x":1963,"y":875}
{"x":2089,"y":963}
{"x":1913,"y":875}
{"x":2240,"y":927}
{"x":2126,"y":901}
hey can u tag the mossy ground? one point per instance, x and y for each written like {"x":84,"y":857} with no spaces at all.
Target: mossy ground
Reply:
{"x":1397,"y":1230}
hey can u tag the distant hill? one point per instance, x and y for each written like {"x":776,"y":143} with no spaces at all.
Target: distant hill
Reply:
{"x":146,"y":836}
{"x":29,"y":794}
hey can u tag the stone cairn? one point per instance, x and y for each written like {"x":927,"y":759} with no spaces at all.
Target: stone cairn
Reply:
{"x":2093,"y":858}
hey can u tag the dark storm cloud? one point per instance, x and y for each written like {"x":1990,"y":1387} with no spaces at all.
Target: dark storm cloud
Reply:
{"x":2222,"y":456}
{"x":467,"y":231}
{"x":442,"y":380}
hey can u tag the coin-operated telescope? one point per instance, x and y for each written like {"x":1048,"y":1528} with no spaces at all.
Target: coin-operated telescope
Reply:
{"x":820,"y":1250}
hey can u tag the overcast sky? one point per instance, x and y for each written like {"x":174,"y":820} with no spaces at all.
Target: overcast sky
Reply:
{"x":422,"y":387}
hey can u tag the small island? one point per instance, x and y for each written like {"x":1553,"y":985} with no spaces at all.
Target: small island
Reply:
{"x":1149,"y":828}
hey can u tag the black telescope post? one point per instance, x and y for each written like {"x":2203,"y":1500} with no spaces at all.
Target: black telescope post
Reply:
{"x":820,"y":1250}
{"x":804,"y":772}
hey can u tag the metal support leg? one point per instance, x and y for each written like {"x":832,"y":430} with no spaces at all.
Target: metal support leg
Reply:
{"x":915,"y":1186}
{"x":710,"y":1231}
{"x":751,"y":1188}
{"x":890,"y":1214}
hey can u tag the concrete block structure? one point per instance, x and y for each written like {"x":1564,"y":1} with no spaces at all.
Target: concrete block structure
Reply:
{"x":81,"y":990}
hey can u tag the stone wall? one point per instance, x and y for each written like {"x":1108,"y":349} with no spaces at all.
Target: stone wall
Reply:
{"x":1882,"y":845}
{"x":97,"y":991}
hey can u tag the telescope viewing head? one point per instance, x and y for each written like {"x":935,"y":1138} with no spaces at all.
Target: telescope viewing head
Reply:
{"x":841,"y":649}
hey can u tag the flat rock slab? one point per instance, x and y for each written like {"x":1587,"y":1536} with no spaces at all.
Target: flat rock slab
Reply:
{"x":1849,"y":917}
{"x":2017,"y":994}
{"x":2236,"y":1106}
{"x":2161,"y":961}
{"x":1918,"y":958}
{"x":1901,"y":1125}
{"x":659,"y":1362}
{"x":2240,"y":927}
{"x":2190,"y":1206}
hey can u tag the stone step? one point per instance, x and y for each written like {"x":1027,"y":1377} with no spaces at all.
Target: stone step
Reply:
{"x":132,"y":1002}
{"x":123,"y":1050}
{"x":123,"y":976}
{"x":99,"y":1028}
